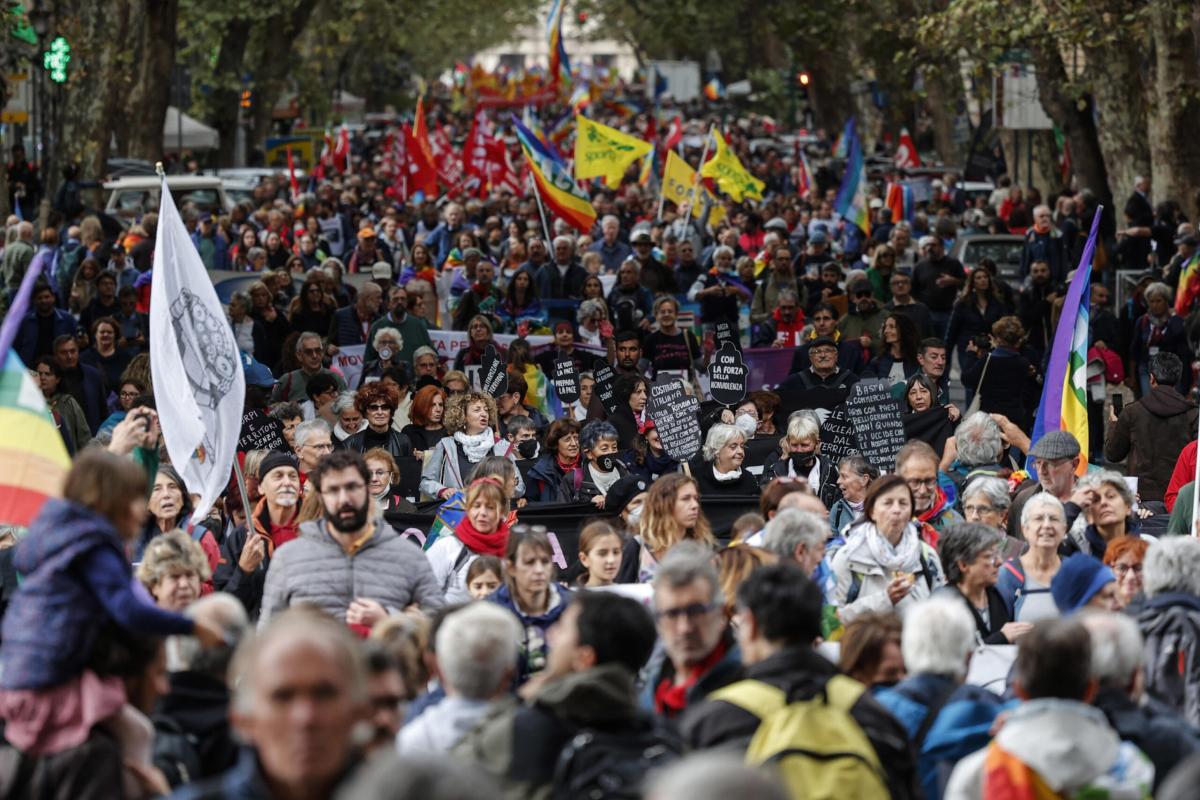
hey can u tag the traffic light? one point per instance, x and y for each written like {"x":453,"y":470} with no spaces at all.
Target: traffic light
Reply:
{"x":247,"y":100}
{"x":55,"y":60}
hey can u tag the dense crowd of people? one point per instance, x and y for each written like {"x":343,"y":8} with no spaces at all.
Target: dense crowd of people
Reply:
{"x":383,"y":608}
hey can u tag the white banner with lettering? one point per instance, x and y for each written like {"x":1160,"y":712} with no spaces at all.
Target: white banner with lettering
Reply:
{"x":349,"y":360}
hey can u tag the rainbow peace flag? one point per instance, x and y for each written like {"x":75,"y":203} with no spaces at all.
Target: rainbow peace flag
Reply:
{"x":804,"y":181}
{"x":851,"y":202}
{"x":900,"y":200}
{"x":557,"y":188}
{"x":1064,"y":394}
{"x":1189,"y":286}
{"x":560,"y":65}
{"x":714,"y":90}
{"x":31,"y":449}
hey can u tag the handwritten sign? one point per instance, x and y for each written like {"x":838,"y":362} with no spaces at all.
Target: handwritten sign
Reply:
{"x":606,"y":378}
{"x":838,"y":437}
{"x":493,"y":377}
{"x":261,"y":432}
{"x":875,"y":415}
{"x":676,"y":416}
{"x":727,"y":331}
{"x":727,"y":375}
{"x":566,"y":379}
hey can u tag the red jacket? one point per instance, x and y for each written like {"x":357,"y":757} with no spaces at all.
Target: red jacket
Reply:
{"x":1183,"y":474}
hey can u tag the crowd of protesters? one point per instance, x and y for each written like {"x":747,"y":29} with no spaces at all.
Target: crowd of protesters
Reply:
{"x":827,"y":642}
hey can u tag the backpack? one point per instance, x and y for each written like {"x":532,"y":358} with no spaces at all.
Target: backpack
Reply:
{"x":1172,"y":658}
{"x":613,"y":765}
{"x":819,"y":750}
{"x":1021,"y":592}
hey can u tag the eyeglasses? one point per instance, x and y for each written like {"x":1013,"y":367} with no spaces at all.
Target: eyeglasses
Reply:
{"x":978,"y":509}
{"x":129,"y":395}
{"x":1121,"y":570}
{"x":325,"y":447}
{"x":379,"y":407}
{"x":311,"y":351}
{"x":927,"y":483}
{"x":692,"y":612}
{"x":380,"y":473}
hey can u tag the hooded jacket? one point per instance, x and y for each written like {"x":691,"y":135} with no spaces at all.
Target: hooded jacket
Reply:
{"x":1151,"y":433}
{"x":521,"y":745}
{"x":77,"y":580}
{"x":1070,"y":746}
{"x":533,"y":647}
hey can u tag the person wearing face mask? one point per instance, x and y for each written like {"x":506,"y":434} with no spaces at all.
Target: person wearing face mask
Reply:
{"x":388,"y":344}
{"x":719,"y":471}
{"x":246,"y":552}
{"x":599,"y":442}
{"x":745,"y":419}
{"x":802,"y":459}
{"x":521,"y":431}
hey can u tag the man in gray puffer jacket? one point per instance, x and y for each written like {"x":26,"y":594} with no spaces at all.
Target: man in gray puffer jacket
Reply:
{"x":348,"y":564}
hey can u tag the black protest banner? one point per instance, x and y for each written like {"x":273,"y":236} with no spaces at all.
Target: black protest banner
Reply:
{"x":838,"y":437}
{"x":875,"y":415}
{"x":727,"y":331}
{"x":261,"y":432}
{"x":676,"y":416}
{"x":606,"y":378}
{"x":566,"y":379}
{"x":493,"y":377}
{"x":727,"y":375}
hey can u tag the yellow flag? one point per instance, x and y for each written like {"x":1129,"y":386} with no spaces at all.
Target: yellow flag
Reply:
{"x":731,"y":177}
{"x":678,"y":177}
{"x":604,"y":152}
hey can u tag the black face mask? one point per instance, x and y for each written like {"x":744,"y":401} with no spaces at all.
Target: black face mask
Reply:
{"x":606,"y":463}
{"x":803,"y":463}
{"x":528,"y":448}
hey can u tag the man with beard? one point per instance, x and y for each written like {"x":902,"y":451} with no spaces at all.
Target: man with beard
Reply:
{"x":246,"y":554}
{"x":350,"y":563}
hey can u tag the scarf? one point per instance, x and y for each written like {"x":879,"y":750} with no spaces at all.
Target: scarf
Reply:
{"x":939,"y":503}
{"x":572,"y":471}
{"x":478,"y":446}
{"x":726,"y":476}
{"x":642,"y":421}
{"x":904,"y":557}
{"x":670,"y":698}
{"x":484,"y":544}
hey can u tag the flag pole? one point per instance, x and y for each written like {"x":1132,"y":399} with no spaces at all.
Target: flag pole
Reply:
{"x":696,"y":178}
{"x":541,"y":211}
{"x":241,"y":484}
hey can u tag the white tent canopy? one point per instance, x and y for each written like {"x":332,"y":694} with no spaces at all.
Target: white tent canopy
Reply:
{"x":195,"y":134}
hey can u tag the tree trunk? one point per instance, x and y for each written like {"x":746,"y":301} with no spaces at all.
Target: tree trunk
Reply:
{"x":98,"y":81}
{"x":227,"y":95}
{"x":151,"y":93}
{"x":1114,"y":74}
{"x":272,"y":66}
{"x":1174,"y":118}
{"x":943,"y":93}
{"x":1073,"y":115}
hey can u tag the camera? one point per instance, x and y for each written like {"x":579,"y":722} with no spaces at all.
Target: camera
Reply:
{"x":983,"y":342}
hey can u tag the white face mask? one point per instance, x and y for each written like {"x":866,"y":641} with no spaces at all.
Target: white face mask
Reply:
{"x":634,"y":516}
{"x":385,"y":353}
{"x":746,"y":424}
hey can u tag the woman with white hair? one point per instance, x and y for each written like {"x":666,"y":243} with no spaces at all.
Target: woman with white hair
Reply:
{"x":945,"y":717}
{"x":801,"y":448}
{"x":985,"y":500}
{"x":592,"y":316}
{"x":388,"y":342}
{"x":349,"y":419}
{"x":1024,"y":581}
{"x":1109,"y":516}
{"x":1168,"y":621}
{"x":1159,"y":330}
{"x":718,"y":470}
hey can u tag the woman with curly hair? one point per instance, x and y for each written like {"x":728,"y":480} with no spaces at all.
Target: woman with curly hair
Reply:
{"x":173,"y":570}
{"x":671,"y":514}
{"x":377,"y":402}
{"x":471,"y":424}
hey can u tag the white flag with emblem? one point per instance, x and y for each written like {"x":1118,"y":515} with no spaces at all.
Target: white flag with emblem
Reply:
{"x":199,"y":387}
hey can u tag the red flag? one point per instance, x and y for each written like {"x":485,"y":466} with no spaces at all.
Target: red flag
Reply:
{"x":906,"y":152}
{"x":400,"y":162}
{"x":449,"y":165}
{"x":475,"y":153}
{"x":422,"y":172}
{"x":292,"y":175}
{"x":341,"y":152}
{"x":501,"y":175}
{"x":674,"y":133}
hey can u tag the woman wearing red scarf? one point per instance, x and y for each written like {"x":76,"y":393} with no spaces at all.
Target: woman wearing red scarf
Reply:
{"x":483,"y":530}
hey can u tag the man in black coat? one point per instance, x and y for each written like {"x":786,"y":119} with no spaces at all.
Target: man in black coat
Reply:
{"x":1139,"y":217}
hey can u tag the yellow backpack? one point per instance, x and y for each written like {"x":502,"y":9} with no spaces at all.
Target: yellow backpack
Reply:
{"x":818,"y":749}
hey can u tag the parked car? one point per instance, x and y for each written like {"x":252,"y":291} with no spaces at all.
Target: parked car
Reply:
{"x":1004,"y":249}
{"x":130,"y":198}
